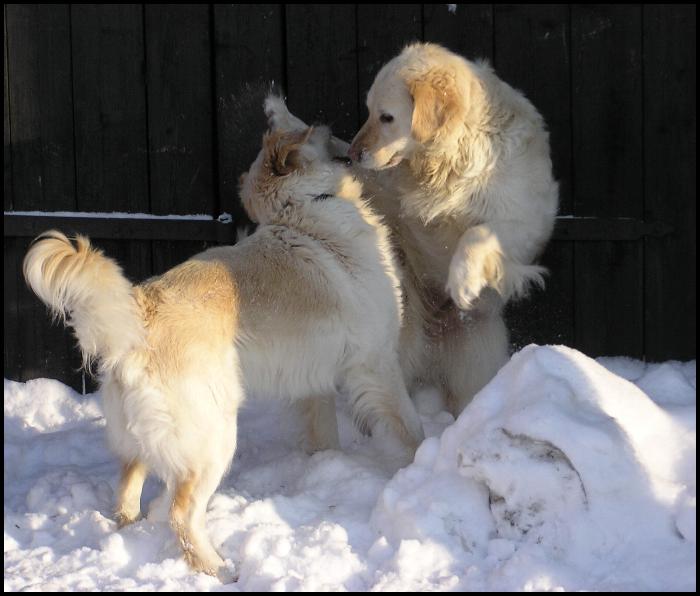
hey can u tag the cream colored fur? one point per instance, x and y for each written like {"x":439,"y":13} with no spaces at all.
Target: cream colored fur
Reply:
{"x":462,"y":174}
{"x":307,"y":306}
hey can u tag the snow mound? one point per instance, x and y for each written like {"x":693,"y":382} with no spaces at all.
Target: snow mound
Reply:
{"x":45,"y":405}
{"x":557,"y":461}
{"x":563,"y":473}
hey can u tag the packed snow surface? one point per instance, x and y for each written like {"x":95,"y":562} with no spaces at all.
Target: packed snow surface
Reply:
{"x":563,"y":473}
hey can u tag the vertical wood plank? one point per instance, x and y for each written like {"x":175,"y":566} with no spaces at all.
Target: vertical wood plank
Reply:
{"x":41,"y":117}
{"x":609,"y":308}
{"x":607,"y":104}
{"x":111,"y":127}
{"x":607,"y":148}
{"x":43,"y":176}
{"x":383,"y":31}
{"x":11,"y":280}
{"x":466,"y":30}
{"x":180,"y":125}
{"x":180,"y":119}
{"x":322,"y":77}
{"x":669,"y":168}
{"x":110,"y":107}
{"x":546,"y":316}
{"x":7,"y":148}
{"x":532,"y":55}
{"x":249,"y":57}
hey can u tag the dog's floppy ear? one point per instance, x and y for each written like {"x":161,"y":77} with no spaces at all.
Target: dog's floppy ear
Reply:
{"x":283,"y":150}
{"x":436,"y":104}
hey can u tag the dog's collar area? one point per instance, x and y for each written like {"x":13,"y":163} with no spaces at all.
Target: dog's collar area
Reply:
{"x":342,"y":159}
{"x":322,"y":197}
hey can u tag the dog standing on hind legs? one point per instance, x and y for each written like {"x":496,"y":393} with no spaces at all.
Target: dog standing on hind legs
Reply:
{"x":308,"y":304}
{"x":459,"y":164}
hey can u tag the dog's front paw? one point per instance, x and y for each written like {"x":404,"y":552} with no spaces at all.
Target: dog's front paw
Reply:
{"x":464,"y":284}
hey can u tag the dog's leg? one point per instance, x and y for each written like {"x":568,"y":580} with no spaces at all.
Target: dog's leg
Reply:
{"x":498,"y":256}
{"x":180,"y":520}
{"x":190,"y":500}
{"x":378,"y":396}
{"x":321,"y":424}
{"x":209,"y":559}
{"x":129,"y":500}
{"x":188,"y":518}
{"x":472,"y":350}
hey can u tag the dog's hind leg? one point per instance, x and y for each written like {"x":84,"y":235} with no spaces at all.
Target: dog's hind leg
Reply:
{"x":320,"y":423}
{"x":129,"y":500}
{"x":192,"y":494}
{"x":471,"y":352}
{"x":180,"y":519}
{"x":188,"y":518}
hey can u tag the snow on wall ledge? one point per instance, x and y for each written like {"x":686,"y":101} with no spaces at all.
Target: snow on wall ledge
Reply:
{"x":563,"y":473}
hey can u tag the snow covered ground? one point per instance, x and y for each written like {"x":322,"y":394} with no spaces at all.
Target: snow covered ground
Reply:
{"x":563,"y":473}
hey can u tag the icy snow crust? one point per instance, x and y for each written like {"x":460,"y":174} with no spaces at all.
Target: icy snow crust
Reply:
{"x":563,"y":473}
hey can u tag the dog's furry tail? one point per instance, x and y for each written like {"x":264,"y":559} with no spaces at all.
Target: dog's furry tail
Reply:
{"x":87,"y":291}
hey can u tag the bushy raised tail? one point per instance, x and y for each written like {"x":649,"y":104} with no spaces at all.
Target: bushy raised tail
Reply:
{"x":89,"y":292}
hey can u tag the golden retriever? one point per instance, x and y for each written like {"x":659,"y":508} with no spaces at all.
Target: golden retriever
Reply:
{"x":458,"y":163}
{"x":308,"y":305}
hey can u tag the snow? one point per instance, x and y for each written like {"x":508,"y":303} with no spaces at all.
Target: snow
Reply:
{"x":223,"y":218}
{"x":564,"y":473}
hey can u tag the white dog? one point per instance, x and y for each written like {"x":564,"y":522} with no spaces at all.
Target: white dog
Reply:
{"x":464,"y":178}
{"x":307,"y":305}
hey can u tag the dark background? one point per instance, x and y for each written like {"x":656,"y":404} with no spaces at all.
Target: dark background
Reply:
{"x":156,"y":109}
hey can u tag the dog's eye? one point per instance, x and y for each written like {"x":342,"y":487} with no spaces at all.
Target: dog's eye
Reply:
{"x":386,"y":118}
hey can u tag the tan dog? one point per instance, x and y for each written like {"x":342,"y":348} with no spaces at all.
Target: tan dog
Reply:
{"x":307,"y":305}
{"x":462,"y":174}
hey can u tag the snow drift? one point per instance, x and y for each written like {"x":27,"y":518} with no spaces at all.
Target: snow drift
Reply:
{"x":563,"y":473}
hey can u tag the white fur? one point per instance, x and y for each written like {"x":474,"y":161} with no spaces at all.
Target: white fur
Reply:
{"x":307,"y":306}
{"x":464,"y":176}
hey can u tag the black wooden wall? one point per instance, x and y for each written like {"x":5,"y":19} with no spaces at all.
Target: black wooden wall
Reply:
{"x":156,"y":109}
